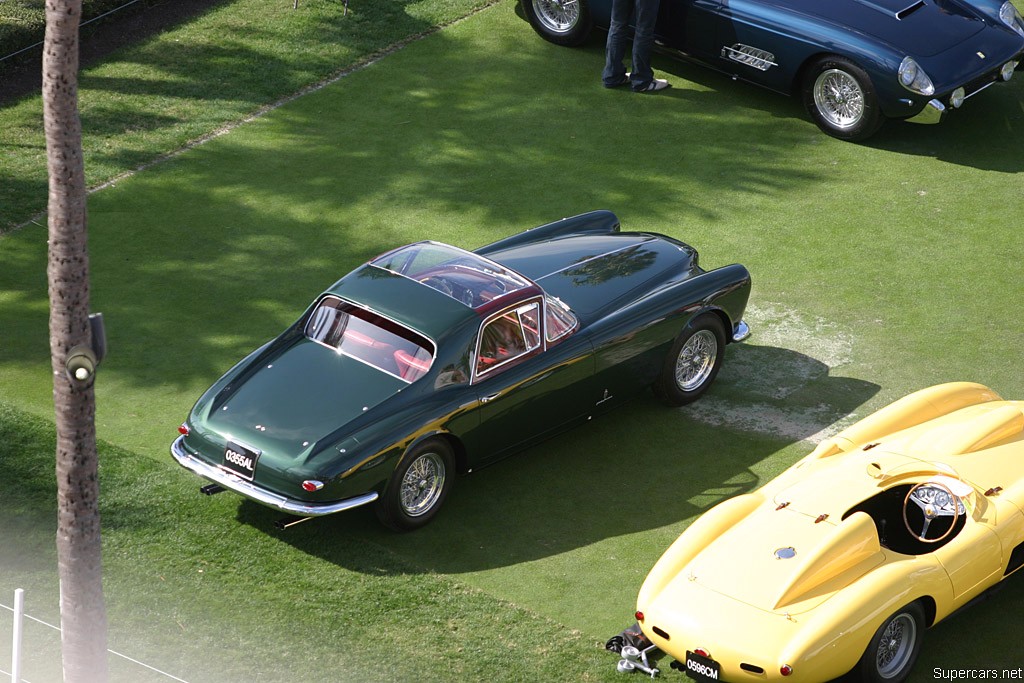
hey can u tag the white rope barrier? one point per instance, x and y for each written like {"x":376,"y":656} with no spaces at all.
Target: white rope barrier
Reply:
{"x":15,"y":675}
{"x":84,"y":23}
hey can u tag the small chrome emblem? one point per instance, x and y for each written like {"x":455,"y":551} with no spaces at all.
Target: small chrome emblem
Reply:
{"x":786,"y":553}
{"x":980,"y":54}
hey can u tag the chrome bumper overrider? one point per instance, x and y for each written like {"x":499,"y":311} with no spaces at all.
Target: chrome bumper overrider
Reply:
{"x":253,"y":492}
{"x":740,"y":331}
{"x":932,"y":113}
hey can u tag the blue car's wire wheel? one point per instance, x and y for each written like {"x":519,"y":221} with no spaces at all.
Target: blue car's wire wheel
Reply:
{"x":558,"y":16}
{"x":839,"y":98}
{"x":563,"y":22}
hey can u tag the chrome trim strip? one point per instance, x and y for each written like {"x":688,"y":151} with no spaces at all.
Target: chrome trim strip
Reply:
{"x":741,"y":331}
{"x":968,"y":96}
{"x":262,"y":496}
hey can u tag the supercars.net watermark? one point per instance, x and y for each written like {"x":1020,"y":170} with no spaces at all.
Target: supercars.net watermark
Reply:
{"x":978,"y":674}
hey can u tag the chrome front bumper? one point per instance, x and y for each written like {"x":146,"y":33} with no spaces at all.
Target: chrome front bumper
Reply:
{"x":245,"y":488}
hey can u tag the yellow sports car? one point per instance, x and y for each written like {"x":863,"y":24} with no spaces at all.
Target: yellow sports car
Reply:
{"x":841,"y":562}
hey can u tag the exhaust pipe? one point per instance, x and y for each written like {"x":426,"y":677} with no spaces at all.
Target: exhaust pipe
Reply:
{"x":289,"y":522}
{"x":210,"y":489}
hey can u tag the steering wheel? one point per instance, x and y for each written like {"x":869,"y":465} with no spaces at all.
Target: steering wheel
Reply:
{"x":935,"y":500}
{"x":439,"y":283}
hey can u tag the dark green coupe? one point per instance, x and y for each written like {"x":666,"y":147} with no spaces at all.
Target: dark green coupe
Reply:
{"x":430,"y":360}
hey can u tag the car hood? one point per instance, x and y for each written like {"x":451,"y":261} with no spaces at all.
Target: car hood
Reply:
{"x":920,"y":28}
{"x":297,"y":397}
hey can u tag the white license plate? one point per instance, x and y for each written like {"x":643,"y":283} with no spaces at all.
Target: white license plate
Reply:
{"x":701,"y":668}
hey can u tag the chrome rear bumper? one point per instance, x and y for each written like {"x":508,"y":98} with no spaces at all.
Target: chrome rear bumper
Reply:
{"x":252,"y":492}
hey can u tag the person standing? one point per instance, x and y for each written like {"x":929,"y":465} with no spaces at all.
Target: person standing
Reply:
{"x":642,"y":77}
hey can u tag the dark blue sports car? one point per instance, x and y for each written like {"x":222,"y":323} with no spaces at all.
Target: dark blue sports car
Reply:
{"x":855,"y":63}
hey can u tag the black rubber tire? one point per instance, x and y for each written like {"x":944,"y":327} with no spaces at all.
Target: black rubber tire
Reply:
{"x":869,"y":668}
{"x":431,"y":454}
{"x":544,"y":24}
{"x":863,"y":126}
{"x":666,"y":387}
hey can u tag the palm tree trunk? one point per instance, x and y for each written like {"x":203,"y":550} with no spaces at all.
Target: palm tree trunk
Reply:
{"x":83,"y":616}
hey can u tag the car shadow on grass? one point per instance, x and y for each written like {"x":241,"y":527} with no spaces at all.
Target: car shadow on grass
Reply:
{"x":642,"y":467}
{"x":982,"y":135}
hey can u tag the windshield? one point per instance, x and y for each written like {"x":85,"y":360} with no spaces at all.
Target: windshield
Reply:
{"x":464,"y":276}
{"x":370,"y":338}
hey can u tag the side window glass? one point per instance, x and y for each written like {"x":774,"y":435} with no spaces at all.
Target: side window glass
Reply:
{"x":509,"y":336}
{"x":560,"y":320}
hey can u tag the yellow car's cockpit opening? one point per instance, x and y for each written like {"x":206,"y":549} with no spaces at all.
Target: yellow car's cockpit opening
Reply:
{"x":914,"y":519}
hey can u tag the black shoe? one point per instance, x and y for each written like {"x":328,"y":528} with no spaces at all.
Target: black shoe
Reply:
{"x":619,"y":84}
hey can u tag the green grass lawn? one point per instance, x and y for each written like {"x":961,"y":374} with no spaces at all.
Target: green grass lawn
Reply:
{"x":878,"y":269}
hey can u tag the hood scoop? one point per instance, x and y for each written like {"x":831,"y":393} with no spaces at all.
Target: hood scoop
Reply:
{"x":898,"y":9}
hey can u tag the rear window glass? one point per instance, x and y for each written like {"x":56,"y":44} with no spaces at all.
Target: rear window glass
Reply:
{"x":370,"y":338}
{"x":464,"y":276}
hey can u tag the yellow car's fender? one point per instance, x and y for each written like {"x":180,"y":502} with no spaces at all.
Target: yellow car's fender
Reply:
{"x":833,"y":638}
{"x":909,"y":411}
{"x":695,"y":538}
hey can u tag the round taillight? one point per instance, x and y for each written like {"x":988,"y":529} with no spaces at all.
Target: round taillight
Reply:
{"x":639,"y":615}
{"x":1006,"y":73}
{"x":183,"y":429}
{"x":312,"y":485}
{"x":702,"y":652}
{"x":785,"y":669}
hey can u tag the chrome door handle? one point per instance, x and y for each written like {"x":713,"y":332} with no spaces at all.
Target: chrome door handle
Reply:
{"x":488,"y":399}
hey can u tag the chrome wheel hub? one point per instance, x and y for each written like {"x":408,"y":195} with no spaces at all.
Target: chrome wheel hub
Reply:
{"x":839,"y":98}
{"x":422,"y":484}
{"x":696,"y":360}
{"x":558,"y":16}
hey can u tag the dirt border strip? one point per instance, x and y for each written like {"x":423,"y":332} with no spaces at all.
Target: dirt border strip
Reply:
{"x":369,"y":60}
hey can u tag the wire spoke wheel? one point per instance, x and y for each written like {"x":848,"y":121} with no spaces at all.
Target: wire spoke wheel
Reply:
{"x":422,"y":485}
{"x":896,"y":645}
{"x":696,"y":360}
{"x":839,"y":98}
{"x":558,"y":16}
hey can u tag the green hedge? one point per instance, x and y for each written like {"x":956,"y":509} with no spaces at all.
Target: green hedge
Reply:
{"x":22,"y":22}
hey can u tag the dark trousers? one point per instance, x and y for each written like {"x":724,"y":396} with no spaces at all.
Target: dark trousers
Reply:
{"x":643,"y":40}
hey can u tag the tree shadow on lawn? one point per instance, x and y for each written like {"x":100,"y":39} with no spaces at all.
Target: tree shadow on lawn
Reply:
{"x":201,"y":260}
{"x":642,"y":467}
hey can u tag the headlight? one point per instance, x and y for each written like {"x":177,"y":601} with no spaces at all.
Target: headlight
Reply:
{"x":1006,"y":73}
{"x":1009,"y":15}
{"x":913,"y":78}
{"x":957,"y":98}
